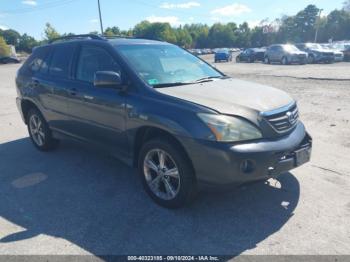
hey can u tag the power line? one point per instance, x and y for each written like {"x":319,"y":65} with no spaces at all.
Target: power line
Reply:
{"x":170,"y":11}
{"x":44,"y":6}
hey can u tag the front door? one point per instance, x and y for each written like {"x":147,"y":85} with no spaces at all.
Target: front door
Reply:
{"x":97,"y":114}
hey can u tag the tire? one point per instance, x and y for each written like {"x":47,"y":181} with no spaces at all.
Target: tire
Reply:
{"x":284,"y":61}
{"x":182,"y":183}
{"x":39,"y":131}
{"x":251,"y":60}
{"x":311,"y":59}
{"x":267,"y":60}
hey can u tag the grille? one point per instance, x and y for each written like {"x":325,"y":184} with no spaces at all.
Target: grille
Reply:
{"x":284,"y":120}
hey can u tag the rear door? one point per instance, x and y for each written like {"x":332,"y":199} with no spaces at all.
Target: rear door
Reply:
{"x":97,"y":114}
{"x":273,"y":53}
{"x":53,"y":79}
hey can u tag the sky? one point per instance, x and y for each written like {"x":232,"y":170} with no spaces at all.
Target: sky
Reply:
{"x":81,"y":16}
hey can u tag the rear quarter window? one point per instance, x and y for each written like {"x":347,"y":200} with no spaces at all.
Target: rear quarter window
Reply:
{"x":35,"y":61}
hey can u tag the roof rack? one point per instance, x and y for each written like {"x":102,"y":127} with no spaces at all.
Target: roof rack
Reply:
{"x":118,"y":36}
{"x":72,"y":37}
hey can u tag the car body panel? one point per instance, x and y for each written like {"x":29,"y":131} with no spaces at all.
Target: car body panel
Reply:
{"x":112,"y":118}
{"x":221,"y":95}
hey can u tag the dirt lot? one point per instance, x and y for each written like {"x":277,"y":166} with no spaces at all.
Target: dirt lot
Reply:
{"x":78,"y":201}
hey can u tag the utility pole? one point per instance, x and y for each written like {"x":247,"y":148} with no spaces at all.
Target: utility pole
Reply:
{"x":99,"y":11}
{"x":318,"y":25}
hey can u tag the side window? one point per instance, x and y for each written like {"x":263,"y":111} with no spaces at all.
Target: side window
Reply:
{"x":38,"y":59}
{"x":60,"y":61}
{"x":44,"y":69}
{"x":93,"y":59}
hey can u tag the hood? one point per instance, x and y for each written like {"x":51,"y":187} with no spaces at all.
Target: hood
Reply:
{"x":299,"y":53}
{"x":323,"y":51}
{"x":231,"y":96}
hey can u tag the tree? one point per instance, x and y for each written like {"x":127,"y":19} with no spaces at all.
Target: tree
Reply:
{"x":27,"y":43}
{"x":11,"y":36}
{"x":158,"y":31}
{"x":4,"y":48}
{"x":50,"y":32}
{"x":346,"y":6}
{"x":183,"y":37}
{"x":221,"y":35}
{"x":112,"y":31}
{"x":337,"y":25}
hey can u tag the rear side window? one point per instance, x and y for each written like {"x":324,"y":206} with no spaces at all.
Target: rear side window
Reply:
{"x":37,"y":61}
{"x":93,"y":59}
{"x":60,"y":61}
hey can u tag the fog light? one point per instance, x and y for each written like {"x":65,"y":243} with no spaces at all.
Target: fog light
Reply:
{"x":247,"y":166}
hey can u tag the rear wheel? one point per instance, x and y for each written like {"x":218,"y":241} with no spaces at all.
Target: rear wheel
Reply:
{"x":39,"y":131}
{"x":311,"y":59}
{"x":166,"y":174}
{"x":284,"y":61}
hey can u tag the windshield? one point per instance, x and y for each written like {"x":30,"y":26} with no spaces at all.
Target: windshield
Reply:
{"x":226,"y":51}
{"x":290,"y":48}
{"x":166,"y":64}
{"x":314,"y":46}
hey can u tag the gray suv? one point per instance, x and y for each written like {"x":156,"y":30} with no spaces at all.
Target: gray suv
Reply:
{"x":285,"y":54}
{"x":181,"y":122}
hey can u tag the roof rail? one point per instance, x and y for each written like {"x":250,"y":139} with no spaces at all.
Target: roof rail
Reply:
{"x":72,"y":37}
{"x":118,"y":36}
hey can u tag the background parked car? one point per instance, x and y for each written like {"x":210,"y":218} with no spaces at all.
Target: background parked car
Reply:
{"x":285,"y":54}
{"x":251,"y":55}
{"x":317,"y":54}
{"x":9,"y":60}
{"x":345,"y":49}
{"x":223,"y":55}
{"x":338,"y":54}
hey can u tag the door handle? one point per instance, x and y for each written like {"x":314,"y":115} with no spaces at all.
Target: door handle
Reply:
{"x":35,"y":82}
{"x":88,"y":97}
{"x":73,"y":91}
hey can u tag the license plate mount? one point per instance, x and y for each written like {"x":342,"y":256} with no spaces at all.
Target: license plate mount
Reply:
{"x":302,"y":156}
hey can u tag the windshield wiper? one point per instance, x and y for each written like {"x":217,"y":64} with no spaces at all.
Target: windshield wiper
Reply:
{"x":171,"y":84}
{"x":210,"y":78}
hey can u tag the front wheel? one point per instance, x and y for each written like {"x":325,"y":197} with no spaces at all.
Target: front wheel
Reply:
{"x":166,"y":174}
{"x":39,"y":131}
{"x":267,"y":60}
{"x":311,"y":59}
{"x":284,"y":61}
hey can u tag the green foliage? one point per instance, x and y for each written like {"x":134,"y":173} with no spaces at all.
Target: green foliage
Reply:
{"x":4,"y":48}
{"x":346,"y":6}
{"x":159,"y":31}
{"x":11,"y":36}
{"x":50,"y":32}
{"x":26,"y":43}
{"x":288,"y":29}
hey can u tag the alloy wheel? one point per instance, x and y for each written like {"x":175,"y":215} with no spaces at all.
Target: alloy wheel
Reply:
{"x":36,"y":130}
{"x":161,"y":174}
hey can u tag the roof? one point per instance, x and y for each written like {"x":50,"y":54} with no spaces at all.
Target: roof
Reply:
{"x":135,"y":41}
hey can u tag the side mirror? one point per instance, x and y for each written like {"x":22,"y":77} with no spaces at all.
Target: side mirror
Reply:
{"x":108,"y":79}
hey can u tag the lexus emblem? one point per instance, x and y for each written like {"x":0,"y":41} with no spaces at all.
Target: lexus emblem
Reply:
{"x":290,"y":117}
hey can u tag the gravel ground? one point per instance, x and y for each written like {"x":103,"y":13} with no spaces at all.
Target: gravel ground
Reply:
{"x":79,"y":201}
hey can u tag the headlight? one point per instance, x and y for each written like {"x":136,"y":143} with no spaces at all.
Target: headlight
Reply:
{"x":230,"y":129}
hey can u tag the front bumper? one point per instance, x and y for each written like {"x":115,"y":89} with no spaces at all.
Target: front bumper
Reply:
{"x":233,"y":164}
{"x":324,"y":59}
{"x":298,"y":59}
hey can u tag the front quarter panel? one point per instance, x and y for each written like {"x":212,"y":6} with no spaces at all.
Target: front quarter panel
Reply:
{"x":161,"y":112}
